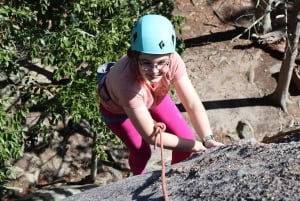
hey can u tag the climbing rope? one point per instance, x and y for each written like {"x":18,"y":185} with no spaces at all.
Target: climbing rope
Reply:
{"x":159,"y":128}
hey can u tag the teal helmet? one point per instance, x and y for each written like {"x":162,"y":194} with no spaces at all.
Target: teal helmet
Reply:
{"x":153,"y":34}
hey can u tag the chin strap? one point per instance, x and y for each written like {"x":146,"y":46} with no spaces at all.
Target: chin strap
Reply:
{"x":159,"y":128}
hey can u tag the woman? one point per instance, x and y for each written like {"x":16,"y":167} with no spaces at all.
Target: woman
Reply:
{"x":134,"y":96}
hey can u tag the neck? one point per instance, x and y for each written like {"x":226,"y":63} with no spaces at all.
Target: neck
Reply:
{"x":153,"y":85}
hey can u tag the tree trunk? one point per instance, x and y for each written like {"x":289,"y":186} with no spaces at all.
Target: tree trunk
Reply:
{"x":94,"y":159}
{"x":281,"y":93}
{"x":267,"y":22}
{"x":264,"y":8}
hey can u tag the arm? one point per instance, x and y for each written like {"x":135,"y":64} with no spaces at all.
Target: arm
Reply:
{"x":144,"y":123}
{"x":195,"y":109}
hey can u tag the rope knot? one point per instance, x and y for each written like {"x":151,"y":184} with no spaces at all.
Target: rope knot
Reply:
{"x":159,"y":128}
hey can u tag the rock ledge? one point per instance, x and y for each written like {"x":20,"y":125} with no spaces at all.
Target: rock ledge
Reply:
{"x":241,"y":171}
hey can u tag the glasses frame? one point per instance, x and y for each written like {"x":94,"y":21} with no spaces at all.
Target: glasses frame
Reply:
{"x":148,"y":65}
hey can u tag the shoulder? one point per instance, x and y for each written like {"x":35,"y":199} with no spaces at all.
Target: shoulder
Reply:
{"x":176,"y":58}
{"x":123,"y":80}
{"x":177,"y":66}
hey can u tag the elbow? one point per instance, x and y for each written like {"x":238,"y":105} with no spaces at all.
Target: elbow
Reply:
{"x":190,"y":107}
{"x":151,"y":136}
{"x":194,"y":107}
{"x":150,"y":139}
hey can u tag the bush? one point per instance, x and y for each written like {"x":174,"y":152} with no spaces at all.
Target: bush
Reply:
{"x":70,"y":39}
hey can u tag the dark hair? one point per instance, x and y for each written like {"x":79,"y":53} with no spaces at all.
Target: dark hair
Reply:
{"x":134,"y":57}
{"x":132,"y":54}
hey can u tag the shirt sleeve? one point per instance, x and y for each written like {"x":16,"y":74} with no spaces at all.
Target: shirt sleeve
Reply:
{"x":177,"y":67}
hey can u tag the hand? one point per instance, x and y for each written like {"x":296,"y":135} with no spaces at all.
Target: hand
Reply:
{"x":199,"y":146}
{"x":213,"y":143}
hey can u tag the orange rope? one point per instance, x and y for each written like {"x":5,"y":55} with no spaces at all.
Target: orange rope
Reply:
{"x":159,"y":128}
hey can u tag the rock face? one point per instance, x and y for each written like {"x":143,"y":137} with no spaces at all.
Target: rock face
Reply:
{"x":242,"y":171}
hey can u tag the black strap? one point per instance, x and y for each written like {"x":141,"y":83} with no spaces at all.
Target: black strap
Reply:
{"x":102,"y":72}
{"x":106,"y":90}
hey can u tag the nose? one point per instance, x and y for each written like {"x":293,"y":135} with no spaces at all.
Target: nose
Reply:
{"x":154,"y":68}
{"x":154,"y":65}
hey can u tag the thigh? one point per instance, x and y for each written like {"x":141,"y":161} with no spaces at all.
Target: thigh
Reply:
{"x":168,"y":113}
{"x":128,"y":135}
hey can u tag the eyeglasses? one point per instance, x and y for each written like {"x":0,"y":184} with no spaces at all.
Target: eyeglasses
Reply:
{"x":147,"y":65}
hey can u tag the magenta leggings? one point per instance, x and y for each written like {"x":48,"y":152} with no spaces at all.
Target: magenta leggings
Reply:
{"x":139,"y":149}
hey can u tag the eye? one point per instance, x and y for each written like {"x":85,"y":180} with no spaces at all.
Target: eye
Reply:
{"x":145,"y":63}
{"x":162,"y":63}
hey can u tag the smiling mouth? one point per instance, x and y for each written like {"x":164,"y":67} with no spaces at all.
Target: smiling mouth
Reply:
{"x":154,"y":76}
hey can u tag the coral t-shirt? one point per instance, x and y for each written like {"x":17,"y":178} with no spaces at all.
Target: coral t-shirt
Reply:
{"x":126,"y":87}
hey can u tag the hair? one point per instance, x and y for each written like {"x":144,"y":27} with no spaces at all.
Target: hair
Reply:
{"x":134,"y":57}
{"x":132,"y":54}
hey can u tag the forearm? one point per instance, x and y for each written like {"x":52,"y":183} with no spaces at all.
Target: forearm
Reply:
{"x":173,"y":142}
{"x":200,"y":121}
{"x":202,"y":126}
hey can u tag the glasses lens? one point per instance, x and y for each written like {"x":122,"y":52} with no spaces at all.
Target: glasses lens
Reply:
{"x":146,"y":65}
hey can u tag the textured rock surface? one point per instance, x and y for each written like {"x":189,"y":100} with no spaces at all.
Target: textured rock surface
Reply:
{"x":241,"y":171}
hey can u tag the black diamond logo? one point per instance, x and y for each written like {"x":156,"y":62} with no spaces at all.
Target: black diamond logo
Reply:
{"x":161,"y":44}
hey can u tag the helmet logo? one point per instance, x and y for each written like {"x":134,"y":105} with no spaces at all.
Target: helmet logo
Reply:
{"x":161,"y":44}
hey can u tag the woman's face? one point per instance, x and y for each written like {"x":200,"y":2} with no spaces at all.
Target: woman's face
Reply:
{"x":153,"y":67}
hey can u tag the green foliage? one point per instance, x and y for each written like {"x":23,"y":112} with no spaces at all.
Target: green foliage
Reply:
{"x":73,"y":38}
{"x":15,"y":33}
{"x":12,"y":135}
{"x":177,"y":21}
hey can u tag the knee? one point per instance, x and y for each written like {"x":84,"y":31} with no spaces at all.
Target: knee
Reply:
{"x":138,"y":160}
{"x":143,"y":153}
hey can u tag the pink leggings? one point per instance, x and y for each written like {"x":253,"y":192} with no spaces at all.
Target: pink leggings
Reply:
{"x":139,"y":149}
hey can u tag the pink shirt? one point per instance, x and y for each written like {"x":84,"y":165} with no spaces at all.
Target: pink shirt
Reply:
{"x":127,"y":89}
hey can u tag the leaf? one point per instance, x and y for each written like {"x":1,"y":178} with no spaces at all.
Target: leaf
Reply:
{"x":66,"y":42}
{"x":42,"y":41}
